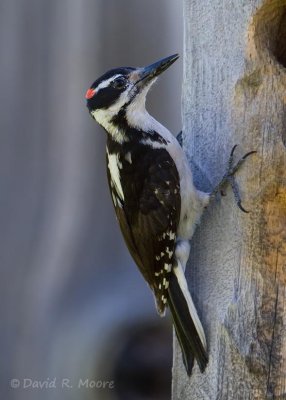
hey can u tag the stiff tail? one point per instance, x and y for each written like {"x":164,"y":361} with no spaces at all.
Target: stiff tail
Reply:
{"x":188,"y":327}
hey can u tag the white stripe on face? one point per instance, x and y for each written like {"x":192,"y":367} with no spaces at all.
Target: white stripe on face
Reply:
{"x":106,"y":83}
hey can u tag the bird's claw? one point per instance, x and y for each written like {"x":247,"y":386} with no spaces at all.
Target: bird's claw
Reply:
{"x":229,"y":178}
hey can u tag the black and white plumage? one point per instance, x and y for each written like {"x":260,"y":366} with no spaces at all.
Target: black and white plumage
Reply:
{"x":152,"y":189}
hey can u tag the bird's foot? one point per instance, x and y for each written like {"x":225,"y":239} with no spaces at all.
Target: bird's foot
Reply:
{"x":229,"y":178}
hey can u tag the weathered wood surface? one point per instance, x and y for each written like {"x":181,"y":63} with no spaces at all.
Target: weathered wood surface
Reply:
{"x":234,"y":92}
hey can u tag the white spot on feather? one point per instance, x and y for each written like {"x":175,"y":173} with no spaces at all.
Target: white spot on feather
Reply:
{"x":171,"y":235}
{"x":128,"y":157}
{"x":165,"y":283}
{"x":169,"y":252}
{"x":168,"y":267}
{"x":113,"y":165}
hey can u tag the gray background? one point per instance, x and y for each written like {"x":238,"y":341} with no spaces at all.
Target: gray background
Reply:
{"x":69,"y":292}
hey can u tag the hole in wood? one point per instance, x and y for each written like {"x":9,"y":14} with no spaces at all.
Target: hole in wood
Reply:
{"x":280,"y":46}
{"x":270,"y":30}
{"x":269,"y":44}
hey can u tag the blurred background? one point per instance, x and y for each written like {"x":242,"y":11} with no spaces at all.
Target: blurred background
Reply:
{"x":75,"y":313}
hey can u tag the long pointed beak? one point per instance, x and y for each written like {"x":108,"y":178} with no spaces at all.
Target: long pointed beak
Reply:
{"x":151,"y":71}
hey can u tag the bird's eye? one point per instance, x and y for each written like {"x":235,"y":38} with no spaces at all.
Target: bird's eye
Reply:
{"x":119,"y":83}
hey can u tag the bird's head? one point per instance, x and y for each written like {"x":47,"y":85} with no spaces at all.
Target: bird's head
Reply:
{"x":123,"y":89}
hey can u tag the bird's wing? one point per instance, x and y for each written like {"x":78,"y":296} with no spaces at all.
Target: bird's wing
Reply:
{"x":146,"y":197}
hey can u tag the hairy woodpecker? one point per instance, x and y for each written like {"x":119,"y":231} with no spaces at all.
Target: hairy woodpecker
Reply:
{"x":156,"y":203}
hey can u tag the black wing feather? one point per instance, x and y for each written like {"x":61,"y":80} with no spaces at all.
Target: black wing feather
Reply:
{"x":149,"y":213}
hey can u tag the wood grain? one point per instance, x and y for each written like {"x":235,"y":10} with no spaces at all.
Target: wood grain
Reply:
{"x":234,"y":92}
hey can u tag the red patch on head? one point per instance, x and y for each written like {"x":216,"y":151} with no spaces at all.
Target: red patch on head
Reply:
{"x":90,"y":93}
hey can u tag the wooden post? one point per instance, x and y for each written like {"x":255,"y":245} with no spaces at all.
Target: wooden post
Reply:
{"x":235,"y":92}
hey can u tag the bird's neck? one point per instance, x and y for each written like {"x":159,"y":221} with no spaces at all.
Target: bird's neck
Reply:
{"x":136,"y":124}
{"x":133,"y":123}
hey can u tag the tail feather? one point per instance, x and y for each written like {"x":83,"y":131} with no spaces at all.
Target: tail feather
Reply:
{"x":188,"y":357}
{"x":187,"y":324}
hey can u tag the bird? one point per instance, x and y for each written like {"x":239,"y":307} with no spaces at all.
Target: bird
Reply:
{"x":154,"y":197}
